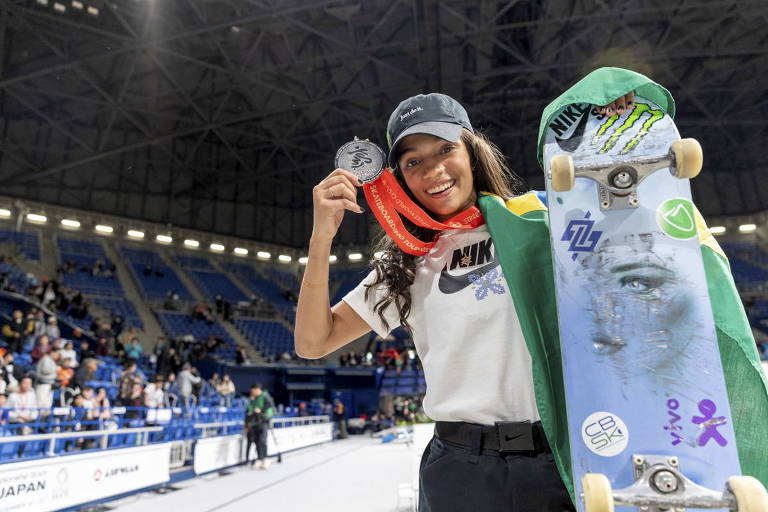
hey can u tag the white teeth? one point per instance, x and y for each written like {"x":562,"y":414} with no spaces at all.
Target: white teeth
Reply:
{"x":441,"y":188}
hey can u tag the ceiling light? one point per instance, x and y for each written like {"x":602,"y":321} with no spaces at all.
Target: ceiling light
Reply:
{"x":332,"y":258}
{"x":59,"y":7}
{"x":355,"y":256}
{"x":70,"y":223}
{"x":34,"y":217}
{"x":133,"y":233}
{"x":5,"y":213}
{"x":240,"y":251}
{"x":77,"y":4}
{"x":101,"y":228}
{"x":303,"y":260}
{"x":284,"y":258}
{"x":264,"y":255}
{"x":747,"y":228}
{"x":164,"y":239}
{"x":93,"y":11}
{"x":217,"y":247}
{"x":191,"y":243}
{"x":717,"y":230}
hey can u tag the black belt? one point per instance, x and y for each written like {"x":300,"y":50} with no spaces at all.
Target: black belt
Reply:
{"x":504,"y":437}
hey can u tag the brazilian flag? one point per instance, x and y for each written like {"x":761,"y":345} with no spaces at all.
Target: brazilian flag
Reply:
{"x":520,"y":231}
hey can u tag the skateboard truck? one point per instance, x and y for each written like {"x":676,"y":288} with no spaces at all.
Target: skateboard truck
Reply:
{"x":660,"y":486}
{"x":618,"y":183}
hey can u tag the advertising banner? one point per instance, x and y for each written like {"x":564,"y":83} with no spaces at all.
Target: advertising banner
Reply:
{"x":217,"y":452}
{"x":60,"y":482}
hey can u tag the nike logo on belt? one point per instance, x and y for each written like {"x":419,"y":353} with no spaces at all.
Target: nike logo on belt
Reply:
{"x":571,"y":143}
{"x":451,"y":284}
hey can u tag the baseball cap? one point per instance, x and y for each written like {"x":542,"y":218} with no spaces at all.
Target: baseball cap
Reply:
{"x":434,"y":114}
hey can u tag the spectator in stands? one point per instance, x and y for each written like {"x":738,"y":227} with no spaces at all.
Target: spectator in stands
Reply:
{"x":102,"y":347}
{"x":39,"y":323}
{"x":215,"y":380}
{"x":154,"y":396}
{"x":128,"y":377}
{"x":133,"y":349}
{"x":134,"y":400}
{"x":68,"y":352}
{"x":102,"y":405}
{"x":10,"y":373}
{"x":219,"y":303}
{"x":186,"y":378}
{"x":41,"y":348}
{"x":23,"y":405}
{"x":226,"y":389}
{"x":4,"y":409}
{"x":240,"y":356}
{"x":16,"y":331}
{"x":258,"y":412}
{"x":65,"y":374}
{"x":303,"y":411}
{"x":198,"y":313}
{"x":169,"y":363}
{"x":86,"y":372}
{"x":86,"y":352}
{"x":46,"y":370}
{"x":52,"y":329}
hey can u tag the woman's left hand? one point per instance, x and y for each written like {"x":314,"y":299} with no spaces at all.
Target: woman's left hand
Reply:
{"x":618,"y":106}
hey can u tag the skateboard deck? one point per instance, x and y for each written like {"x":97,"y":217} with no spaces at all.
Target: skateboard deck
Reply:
{"x":643,"y":377}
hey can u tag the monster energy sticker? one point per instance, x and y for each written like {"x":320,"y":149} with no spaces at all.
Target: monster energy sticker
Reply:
{"x":676,"y":219}
{"x":640,"y":111}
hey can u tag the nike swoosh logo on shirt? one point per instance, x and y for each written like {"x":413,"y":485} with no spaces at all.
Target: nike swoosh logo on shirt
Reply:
{"x":451,"y":284}
{"x":570,"y":144}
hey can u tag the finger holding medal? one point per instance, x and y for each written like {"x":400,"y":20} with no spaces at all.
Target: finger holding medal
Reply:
{"x":331,"y":197}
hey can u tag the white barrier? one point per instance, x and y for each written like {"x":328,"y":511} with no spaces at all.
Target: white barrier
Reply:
{"x":292,"y":438}
{"x":217,"y":452}
{"x":55,"y":483}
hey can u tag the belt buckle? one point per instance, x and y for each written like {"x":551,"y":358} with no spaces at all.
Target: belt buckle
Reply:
{"x":515,"y":436}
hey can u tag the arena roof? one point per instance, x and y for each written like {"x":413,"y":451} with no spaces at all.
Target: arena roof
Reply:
{"x":222,"y":115}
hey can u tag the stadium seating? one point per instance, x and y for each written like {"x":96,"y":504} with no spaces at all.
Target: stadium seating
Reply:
{"x":85,"y":255}
{"x":176,"y":324}
{"x":269,"y":338}
{"x":345,"y":280}
{"x":27,"y":242}
{"x":268,"y":290}
{"x":161,"y":280}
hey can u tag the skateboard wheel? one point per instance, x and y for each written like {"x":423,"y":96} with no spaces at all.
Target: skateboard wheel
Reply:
{"x":563,"y":177}
{"x":688,"y":158}
{"x":750,"y":494}
{"x":598,"y":495}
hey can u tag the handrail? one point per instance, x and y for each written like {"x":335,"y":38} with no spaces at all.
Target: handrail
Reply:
{"x":77,"y":433}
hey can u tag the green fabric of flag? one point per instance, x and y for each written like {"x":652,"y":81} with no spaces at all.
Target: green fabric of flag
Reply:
{"x":523,"y":248}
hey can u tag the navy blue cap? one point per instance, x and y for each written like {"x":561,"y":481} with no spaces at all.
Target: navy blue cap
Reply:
{"x":434,"y":114}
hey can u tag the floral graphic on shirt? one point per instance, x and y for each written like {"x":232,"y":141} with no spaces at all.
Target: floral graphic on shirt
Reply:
{"x":490,"y":280}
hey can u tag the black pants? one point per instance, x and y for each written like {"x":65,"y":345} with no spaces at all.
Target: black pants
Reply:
{"x":257,"y":436}
{"x":451,"y":479}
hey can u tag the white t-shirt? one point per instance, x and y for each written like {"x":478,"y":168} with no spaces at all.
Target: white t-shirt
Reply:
{"x":466,"y":332}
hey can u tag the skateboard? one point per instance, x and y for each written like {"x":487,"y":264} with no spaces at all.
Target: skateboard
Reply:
{"x":648,"y":413}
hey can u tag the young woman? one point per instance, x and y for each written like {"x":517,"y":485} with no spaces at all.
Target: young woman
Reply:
{"x":489,"y":452}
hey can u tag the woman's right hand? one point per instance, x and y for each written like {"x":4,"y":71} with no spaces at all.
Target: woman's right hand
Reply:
{"x":333,"y":195}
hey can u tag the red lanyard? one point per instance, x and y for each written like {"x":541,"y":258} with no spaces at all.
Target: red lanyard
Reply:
{"x":388,"y":200}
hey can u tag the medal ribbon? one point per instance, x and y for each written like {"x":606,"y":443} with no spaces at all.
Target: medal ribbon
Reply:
{"x":388,"y":200}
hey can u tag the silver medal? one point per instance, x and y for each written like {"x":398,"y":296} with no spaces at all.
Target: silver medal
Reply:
{"x":362,"y":158}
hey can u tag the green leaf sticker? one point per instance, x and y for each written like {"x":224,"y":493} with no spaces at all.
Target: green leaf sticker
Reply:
{"x":676,"y":219}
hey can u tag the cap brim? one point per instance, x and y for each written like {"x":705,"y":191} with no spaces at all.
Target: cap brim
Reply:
{"x":447,"y":131}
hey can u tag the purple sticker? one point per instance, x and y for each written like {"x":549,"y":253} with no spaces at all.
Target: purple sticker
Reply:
{"x":709,"y":423}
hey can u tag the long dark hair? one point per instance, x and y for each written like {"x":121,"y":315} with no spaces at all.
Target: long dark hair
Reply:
{"x":395,"y":269}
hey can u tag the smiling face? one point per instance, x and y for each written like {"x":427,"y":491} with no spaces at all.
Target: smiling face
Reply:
{"x":438,"y":173}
